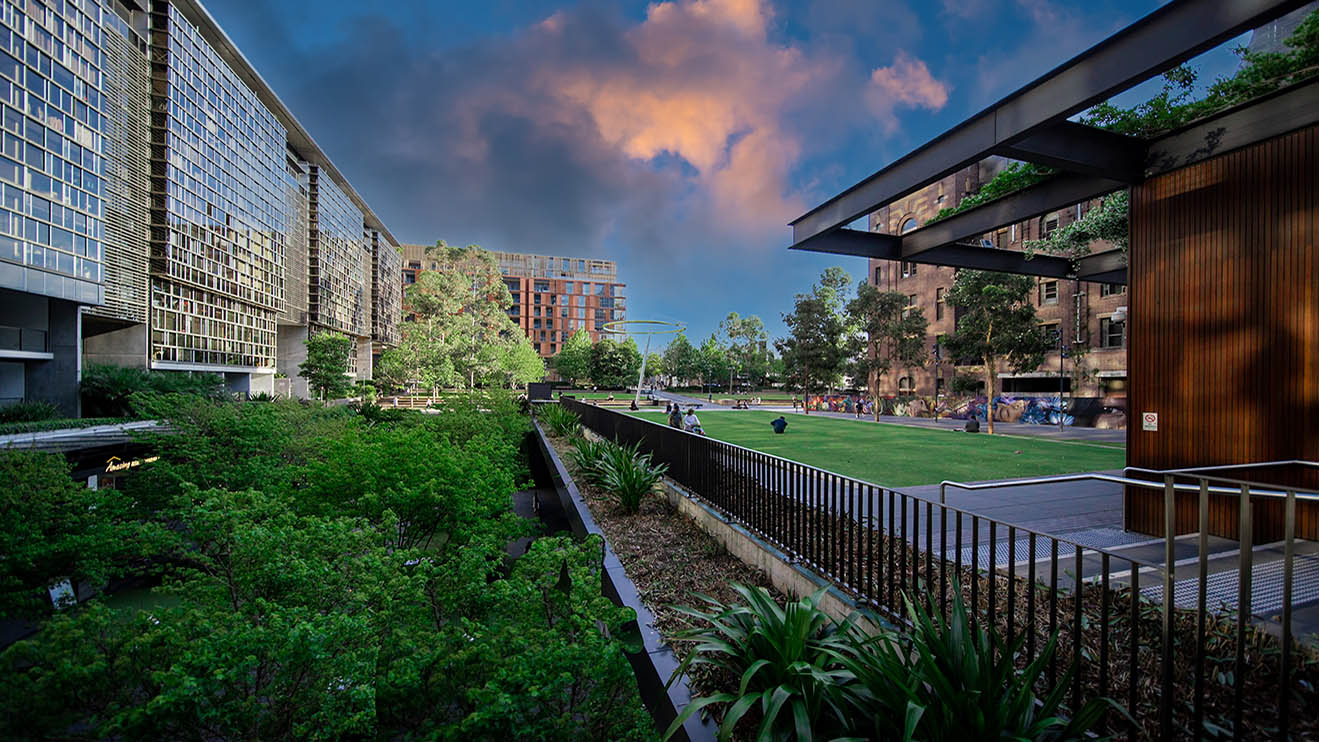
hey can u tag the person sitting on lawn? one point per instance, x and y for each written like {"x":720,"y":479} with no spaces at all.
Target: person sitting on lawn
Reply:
{"x":632,"y":405}
{"x":691,"y":423}
{"x":779,"y":425}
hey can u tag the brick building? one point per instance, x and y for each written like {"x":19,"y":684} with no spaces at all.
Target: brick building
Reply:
{"x":552,"y":296}
{"x":1084,"y":312}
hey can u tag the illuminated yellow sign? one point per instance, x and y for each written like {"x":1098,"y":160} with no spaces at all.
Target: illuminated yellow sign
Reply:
{"x":114,"y":463}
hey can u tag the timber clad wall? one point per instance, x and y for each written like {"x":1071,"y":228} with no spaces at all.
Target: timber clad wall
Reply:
{"x":1224,"y":330}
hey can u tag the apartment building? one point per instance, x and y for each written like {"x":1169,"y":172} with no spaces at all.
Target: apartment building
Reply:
{"x":165,"y":210}
{"x":1088,"y":317}
{"x":553,"y":297}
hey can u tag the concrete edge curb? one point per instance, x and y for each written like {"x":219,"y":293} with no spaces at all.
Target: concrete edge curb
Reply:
{"x":657,"y":663}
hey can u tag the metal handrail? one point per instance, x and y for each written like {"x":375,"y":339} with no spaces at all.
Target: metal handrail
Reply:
{"x":1193,"y":472}
{"x":1116,"y":480}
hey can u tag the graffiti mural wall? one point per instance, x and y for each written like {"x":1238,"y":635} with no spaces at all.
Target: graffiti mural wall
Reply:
{"x":1105,"y":412}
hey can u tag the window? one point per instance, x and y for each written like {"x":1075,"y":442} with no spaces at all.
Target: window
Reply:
{"x":1112,"y":289}
{"x":567,"y":287}
{"x":938,"y":303}
{"x":1110,"y":332}
{"x":1048,"y":226}
{"x":535,"y":298}
{"x":541,"y":286}
{"x":906,"y":384}
{"x":879,"y":275}
{"x":908,"y":269}
{"x":911,"y":305}
{"x":1014,"y":233}
{"x":554,"y":299}
{"x":1048,"y":292}
{"x":1051,"y":330}
{"x":908,"y":226}
{"x":535,"y":312}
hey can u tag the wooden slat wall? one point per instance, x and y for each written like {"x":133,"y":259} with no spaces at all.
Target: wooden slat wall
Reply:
{"x":1224,"y":325}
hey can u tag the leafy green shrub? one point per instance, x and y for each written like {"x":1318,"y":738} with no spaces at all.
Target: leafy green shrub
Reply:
{"x":964,"y":685}
{"x":784,"y":659}
{"x":323,"y":578}
{"x":629,"y":475}
{"x":622,"y":470}
{"x":54,"y":528}
{"x":944,"y":681}
{"x":107,"y":391}
{"x":262,"y":397}
{"x":559,"y":419}
{"x":589,"y":458}
{"x":375,"y":414}
{"x":26,"y":412}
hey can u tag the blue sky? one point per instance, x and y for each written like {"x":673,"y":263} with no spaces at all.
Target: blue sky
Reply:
{"x":677,"y":138}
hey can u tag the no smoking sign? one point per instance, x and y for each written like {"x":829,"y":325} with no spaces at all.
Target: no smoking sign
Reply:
{"x":1149,"y":421}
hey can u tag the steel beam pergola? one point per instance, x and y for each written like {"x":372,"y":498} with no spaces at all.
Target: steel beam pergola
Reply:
{"x":1031,"y":125}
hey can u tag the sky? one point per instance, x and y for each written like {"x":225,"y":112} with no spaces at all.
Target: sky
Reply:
{"x":678,"y":138}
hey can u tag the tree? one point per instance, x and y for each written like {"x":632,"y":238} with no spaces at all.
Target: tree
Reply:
{"x":894,"y":335}
{"x":815,"y":352}
{"x":326,"y":367}
{"x":573,"y":362}
{"x":746,"y":346}
{"x":521,"y":363}
{"x":714,"y":361}
{"x":613,"y":364}
{"x":54,"y":528}
{"x":391,"y":372}
{"x":995,"y":323}
{"x":654,"y":366}
{"x":460,"y":330}
{"x":681,"y":360}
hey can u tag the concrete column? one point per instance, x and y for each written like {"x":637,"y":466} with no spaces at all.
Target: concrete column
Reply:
{"x":292,"y":351}
{"x":56,"y":380}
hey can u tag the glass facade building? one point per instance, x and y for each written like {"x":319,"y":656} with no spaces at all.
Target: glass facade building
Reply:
{"x":220,"y":233}
{"x":51,"y":166}
{"x":161,"y":208}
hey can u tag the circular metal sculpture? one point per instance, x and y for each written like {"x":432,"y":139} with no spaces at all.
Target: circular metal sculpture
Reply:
{"x":646,"y":327}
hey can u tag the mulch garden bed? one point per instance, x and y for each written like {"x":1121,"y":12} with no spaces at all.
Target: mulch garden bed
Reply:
{"x":669,"y":559}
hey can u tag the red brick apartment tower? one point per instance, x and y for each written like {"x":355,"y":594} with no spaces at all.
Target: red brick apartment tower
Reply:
{"x":553,"y":297}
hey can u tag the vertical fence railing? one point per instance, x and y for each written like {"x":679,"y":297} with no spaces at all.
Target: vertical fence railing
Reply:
{"x":1123,"y":625}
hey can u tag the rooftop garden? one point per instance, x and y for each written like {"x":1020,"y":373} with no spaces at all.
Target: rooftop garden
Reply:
{"x":318,"y":573}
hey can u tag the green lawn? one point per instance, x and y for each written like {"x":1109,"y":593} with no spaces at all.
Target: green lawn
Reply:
{"x":900,"y":455}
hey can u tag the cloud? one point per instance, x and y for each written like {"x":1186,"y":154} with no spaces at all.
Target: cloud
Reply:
{"x":906,"y":83}
{"x":678,"y":142}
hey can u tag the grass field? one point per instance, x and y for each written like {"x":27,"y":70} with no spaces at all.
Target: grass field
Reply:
{"x":902,"y":456}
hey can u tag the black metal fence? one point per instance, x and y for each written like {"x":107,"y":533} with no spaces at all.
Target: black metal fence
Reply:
{"x":1183,"y":667}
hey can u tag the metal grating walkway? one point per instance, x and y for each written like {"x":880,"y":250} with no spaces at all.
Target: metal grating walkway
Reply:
{"x":1266,"y":587}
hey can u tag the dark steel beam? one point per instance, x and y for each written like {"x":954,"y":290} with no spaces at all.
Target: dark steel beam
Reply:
{"x":855,"y":242}
{"x":1082,"y":149}
{"x":1270,"y":116}
{"x":1062,"y":190}
{"x":1105,"y":267}
{"x":1159,"y":41}
{"x":993,"y":259}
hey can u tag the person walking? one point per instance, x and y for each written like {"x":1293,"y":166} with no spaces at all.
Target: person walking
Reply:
{"x":675,"y":417}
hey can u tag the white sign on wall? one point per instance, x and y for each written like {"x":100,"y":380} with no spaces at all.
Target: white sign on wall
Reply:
{"x":1149,"y":421}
